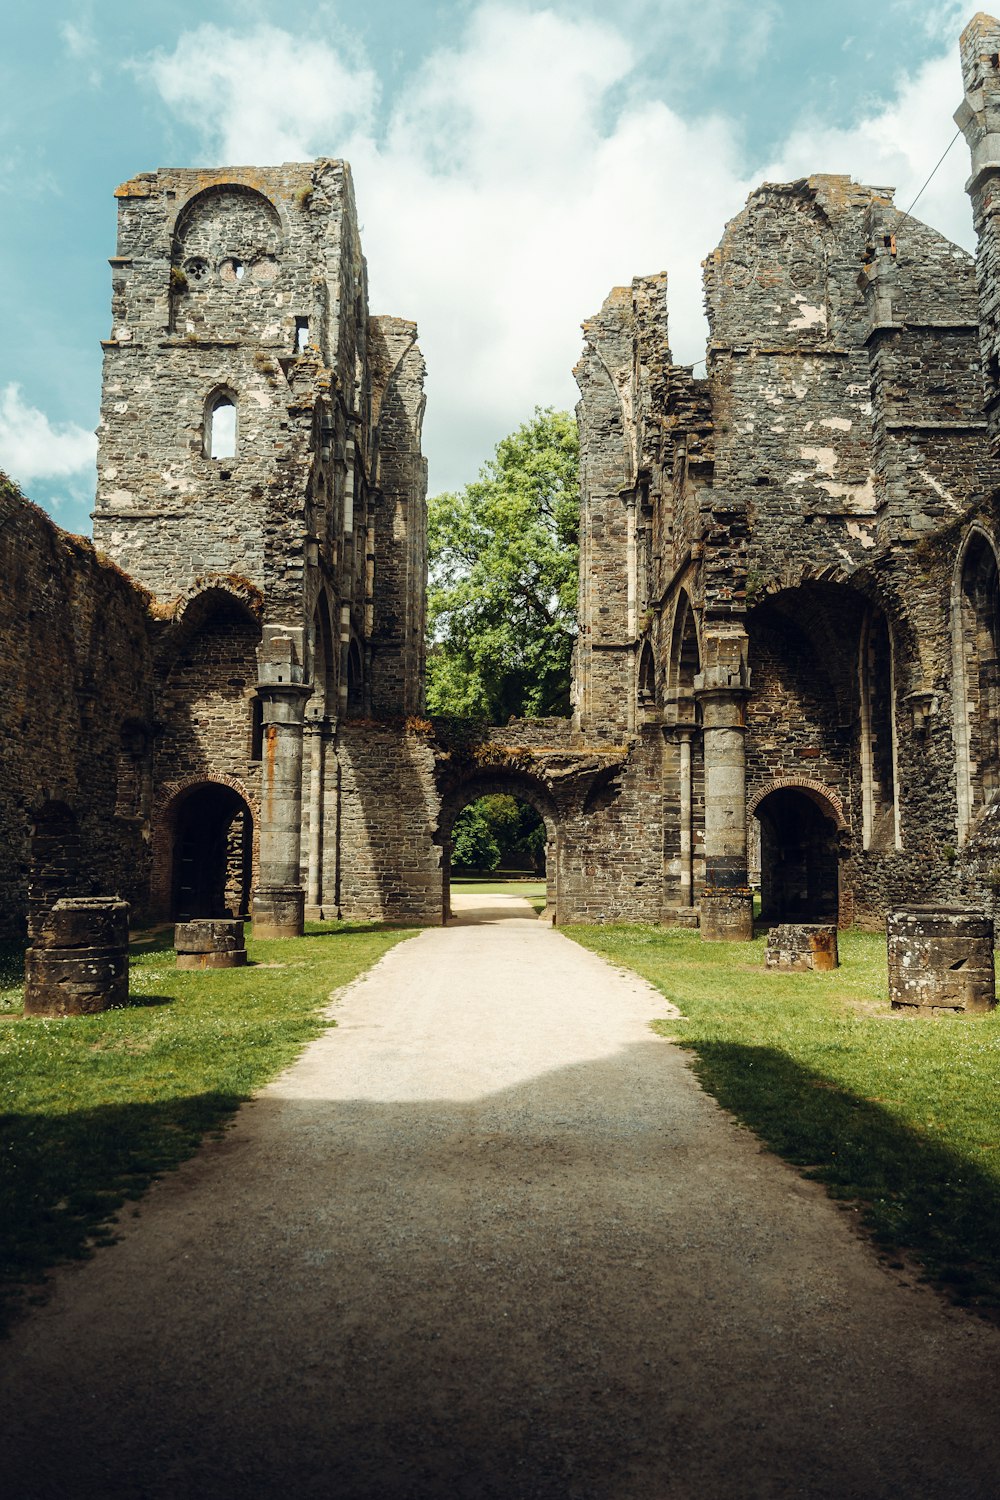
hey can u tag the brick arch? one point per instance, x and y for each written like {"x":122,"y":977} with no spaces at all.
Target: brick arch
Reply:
{"x":817,"y":790}
{"x":162,"y":829}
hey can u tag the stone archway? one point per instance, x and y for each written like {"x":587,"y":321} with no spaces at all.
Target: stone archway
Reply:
{"x":212,"y":854}
{"x":511,"y":783}
{"x":800,"y":825}
{"x":204,"y":848}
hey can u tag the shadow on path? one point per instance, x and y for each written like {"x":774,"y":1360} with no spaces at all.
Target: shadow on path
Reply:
{"x":566,"y":1290}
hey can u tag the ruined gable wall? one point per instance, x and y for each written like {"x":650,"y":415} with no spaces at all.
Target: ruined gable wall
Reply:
{"x":603,"y":663}
{"x":399,"y":540}
{"x":219,"y":278}
{"x":76,"y":670}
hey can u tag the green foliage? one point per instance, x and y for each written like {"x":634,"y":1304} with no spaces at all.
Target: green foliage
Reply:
{"x":94,"y":1107}
{"x":503,"y":579}
{"x":895,"y":1114}
{"x":473,"y":846}
{"x":498,"y":831}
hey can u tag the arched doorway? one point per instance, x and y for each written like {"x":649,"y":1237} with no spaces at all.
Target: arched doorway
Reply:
{"x":522,"y":795}
{"x":213,"y":853}
{"x":799,"y":857}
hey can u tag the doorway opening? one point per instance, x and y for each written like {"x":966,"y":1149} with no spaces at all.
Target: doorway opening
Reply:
{"x":799,"y":862}
{"x":498,"y":839}
{"x":213,"y":854}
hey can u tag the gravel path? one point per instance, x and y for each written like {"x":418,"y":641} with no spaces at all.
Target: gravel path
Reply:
{"x":488,"y":1240}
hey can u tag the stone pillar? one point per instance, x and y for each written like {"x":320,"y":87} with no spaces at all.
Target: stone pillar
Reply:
{"x":78,"y":962}
{"x":802,"y":946}
{"x":722,"y":689}
{"x":210,"y":943}
{"x":279,"y":900}
{"x":978,"y":117}
{"x":940,"y":958}
{"x":684,"y":735}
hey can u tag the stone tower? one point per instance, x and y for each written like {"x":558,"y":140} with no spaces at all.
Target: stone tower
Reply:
{"x":260,"y":475}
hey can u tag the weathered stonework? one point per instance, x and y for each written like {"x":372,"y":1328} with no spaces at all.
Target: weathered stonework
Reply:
{"x":210,"y":944}
{"x":799,"y":947}
{"x":78,"y":962}
{"x":940,"y":958}
{"x":789,"y":623}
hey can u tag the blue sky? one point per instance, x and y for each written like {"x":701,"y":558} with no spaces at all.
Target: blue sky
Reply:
{"x":512,"y":162}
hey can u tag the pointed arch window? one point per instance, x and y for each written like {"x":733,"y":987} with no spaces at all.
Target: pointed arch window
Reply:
{"x":220,"y":426}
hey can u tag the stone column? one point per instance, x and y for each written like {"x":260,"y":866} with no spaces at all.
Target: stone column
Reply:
{"x":722,"y":689}
{"x":684,"y":735}
{"x":279,"y":900}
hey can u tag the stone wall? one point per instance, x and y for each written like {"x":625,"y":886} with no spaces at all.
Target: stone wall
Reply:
{"x":76,"y":710}
{"x":390,"y":866}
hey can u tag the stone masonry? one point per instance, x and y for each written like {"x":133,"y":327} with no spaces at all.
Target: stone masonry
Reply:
{"x":785,"y":677}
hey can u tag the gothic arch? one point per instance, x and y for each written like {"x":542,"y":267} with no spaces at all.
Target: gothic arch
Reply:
{"x":684,"y":661}
{"x":878,"y":748}
{"x":646,"y":677}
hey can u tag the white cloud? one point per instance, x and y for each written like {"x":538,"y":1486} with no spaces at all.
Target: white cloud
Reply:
{"x":516,"y":177}
{"x":262,"y":96}
{"x":32,"y":447}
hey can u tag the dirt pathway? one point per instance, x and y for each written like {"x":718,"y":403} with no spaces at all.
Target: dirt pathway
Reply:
{"x":488,"y":1239}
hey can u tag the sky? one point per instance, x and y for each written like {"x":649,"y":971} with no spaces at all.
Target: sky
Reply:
{"x":512,"y":162}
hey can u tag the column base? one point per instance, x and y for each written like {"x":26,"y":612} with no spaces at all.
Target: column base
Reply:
{"x":278,"y":911}
{"x":726,"y":915}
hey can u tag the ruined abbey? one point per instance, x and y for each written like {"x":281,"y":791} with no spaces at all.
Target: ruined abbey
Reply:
{"x":787,"y":673}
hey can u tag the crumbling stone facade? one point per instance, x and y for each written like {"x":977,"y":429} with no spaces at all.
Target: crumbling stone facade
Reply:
{"x":256,"y":584}
{"x":786,"y":673}
{"x":789,"y":569}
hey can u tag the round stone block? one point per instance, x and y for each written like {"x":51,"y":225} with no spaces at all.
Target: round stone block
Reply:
{"x":940,"y":958}
{"x":210,"y":943}
{"x":209,"y":935}
{"x":84,"y":922}
{"x":230,"y":959}
{"x":74,"y":981}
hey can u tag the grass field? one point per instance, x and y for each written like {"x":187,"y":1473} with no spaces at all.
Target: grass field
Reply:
{"x":92,"y":1108}
{"x":528,"y":888}
{"x":897,"y":1114}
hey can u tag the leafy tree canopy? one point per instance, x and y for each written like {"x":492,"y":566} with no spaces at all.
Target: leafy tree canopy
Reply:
{"x":498,"y":831}
{"x":503,"y":579}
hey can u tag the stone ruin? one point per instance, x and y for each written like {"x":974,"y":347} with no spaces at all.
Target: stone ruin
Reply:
{"x":786,"y":669}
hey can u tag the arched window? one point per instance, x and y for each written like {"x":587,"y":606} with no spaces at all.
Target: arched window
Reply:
{"x":220,"y":427}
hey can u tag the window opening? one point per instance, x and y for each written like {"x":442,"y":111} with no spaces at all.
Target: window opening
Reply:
{"x":220,"y":437}
{"x":301,"y":334}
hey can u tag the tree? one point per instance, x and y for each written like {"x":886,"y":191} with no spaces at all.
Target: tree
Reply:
{"x":498,"y":831}
{"x":473,"y":846}
{"x":503,"y":579}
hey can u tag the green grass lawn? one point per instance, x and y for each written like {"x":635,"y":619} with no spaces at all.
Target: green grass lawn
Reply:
{"x":529,"y":889}
{"x":899,"y":1115}
{"x":92,"y":1108}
